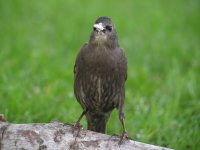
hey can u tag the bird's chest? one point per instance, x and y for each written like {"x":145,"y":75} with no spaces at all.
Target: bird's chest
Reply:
{"x":100,"y":92}
{"x":99,"y":81}
{"x":100,"y":63}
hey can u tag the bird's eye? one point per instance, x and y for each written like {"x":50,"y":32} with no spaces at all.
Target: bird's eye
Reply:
{"x":94,"y":28}
{"x":109,"y":28}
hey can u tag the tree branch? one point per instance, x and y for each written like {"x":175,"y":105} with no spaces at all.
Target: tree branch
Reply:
{"x":59,"y":136}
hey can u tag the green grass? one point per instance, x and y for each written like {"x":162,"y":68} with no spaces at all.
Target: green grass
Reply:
{"x":39,"y":41}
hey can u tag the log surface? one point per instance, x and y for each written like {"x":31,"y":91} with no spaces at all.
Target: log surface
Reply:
{"x":57,"y":136}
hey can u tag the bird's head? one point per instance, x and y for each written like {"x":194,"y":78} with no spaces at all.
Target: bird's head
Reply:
{"x":104,"y":32}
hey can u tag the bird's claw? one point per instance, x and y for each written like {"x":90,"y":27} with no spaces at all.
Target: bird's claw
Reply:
{"x":123,"y":137}
{"x":2,"y":119}
{"x":77,"y":125}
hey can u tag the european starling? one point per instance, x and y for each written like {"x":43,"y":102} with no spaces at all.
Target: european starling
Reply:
{"x":100,"y":73}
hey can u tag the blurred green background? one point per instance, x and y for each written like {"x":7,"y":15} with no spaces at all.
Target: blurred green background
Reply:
{"x":39,"y":41}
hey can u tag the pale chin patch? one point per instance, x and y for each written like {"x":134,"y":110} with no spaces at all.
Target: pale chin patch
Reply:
{"x":101,"y":38}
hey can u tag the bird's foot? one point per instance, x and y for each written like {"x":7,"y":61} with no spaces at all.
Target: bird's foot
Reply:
{"x":2,"y":119}
{"x":77,"y":125}
{"x":123,"y":137}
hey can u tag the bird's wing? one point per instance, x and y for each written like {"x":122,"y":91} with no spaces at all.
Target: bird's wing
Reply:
{"x":78,"y":58}
{"x":123,"y":64}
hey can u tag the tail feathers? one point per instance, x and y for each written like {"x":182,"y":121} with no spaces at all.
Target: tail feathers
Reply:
{"x":97,"y":123}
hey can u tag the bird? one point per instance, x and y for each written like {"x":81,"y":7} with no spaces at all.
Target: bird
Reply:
{"x":100,"y":72}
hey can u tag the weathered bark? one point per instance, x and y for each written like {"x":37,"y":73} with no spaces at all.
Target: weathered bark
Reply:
{"x":63,"y":137}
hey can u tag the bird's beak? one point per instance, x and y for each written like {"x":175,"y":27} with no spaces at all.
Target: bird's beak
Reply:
{"x":99,"y":27}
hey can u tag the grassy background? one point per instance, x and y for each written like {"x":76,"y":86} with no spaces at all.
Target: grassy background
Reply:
{"x":39,"y":41}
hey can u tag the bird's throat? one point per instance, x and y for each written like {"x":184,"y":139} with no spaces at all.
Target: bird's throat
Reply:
{"x":100,"y":39}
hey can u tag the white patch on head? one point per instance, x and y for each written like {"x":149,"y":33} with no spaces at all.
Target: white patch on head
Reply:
{"x":99,"y":26}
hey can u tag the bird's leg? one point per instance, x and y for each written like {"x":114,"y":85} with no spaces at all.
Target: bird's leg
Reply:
{"x":77,"y":124}
{"x":124,"y":135}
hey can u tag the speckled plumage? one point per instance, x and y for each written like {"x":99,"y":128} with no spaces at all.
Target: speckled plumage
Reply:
{"x":100,"y":72}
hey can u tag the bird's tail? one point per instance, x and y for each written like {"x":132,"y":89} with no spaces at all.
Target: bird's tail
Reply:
{"x":97,"y":122}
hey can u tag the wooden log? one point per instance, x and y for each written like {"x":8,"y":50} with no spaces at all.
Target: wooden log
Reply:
{"x":57,"y":136}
